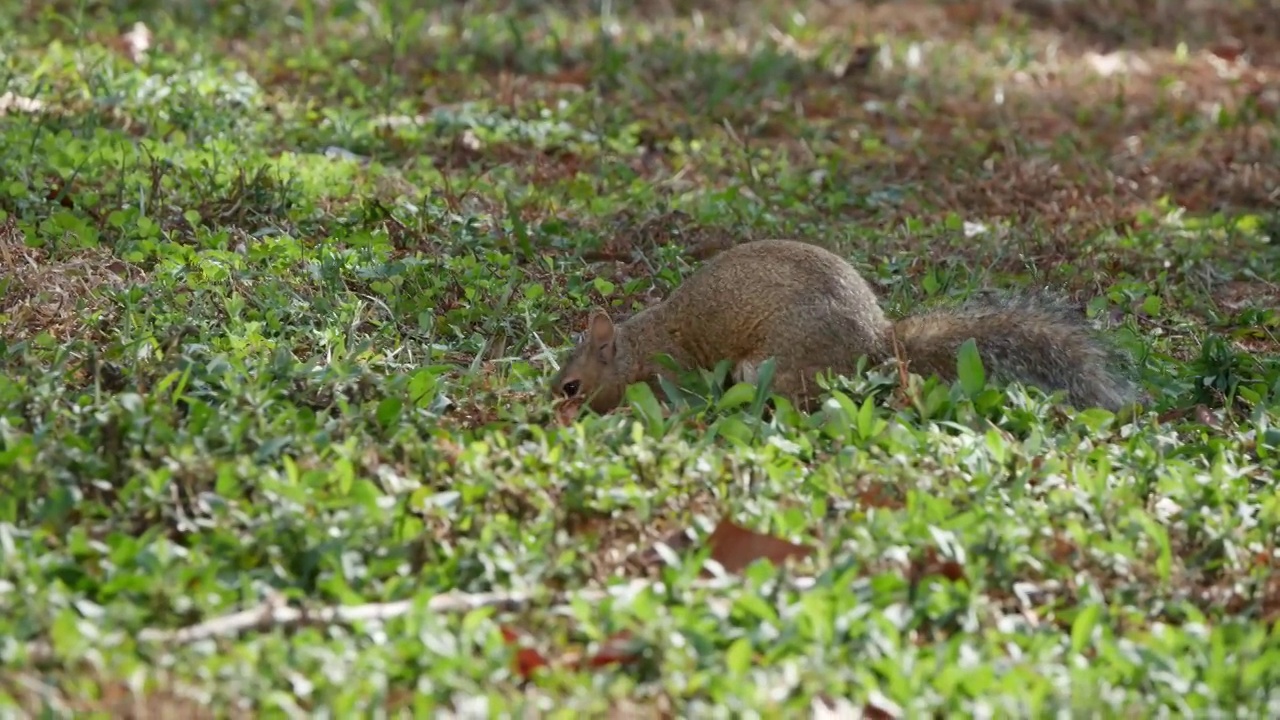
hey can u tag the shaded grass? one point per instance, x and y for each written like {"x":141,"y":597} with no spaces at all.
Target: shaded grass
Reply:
{"x":278,"y":301}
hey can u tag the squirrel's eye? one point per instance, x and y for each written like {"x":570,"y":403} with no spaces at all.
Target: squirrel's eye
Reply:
{"x":571,"y":388}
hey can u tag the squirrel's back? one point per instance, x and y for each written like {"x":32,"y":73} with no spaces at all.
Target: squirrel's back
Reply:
{"x":810,"y":310}
{"x":773,"y":293}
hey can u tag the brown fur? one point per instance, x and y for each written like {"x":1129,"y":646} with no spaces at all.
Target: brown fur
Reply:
{"x":811,"y":311}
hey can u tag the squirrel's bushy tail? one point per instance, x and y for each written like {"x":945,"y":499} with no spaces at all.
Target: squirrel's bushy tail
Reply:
{"x":1034,"y":339}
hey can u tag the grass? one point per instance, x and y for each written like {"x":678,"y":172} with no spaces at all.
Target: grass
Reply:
{"x":280,"y":292}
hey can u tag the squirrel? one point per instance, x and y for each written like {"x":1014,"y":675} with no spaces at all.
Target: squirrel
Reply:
{"x":812,"y":312}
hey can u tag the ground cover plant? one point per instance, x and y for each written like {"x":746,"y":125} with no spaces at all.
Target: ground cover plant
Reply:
{"x":281,"y":284}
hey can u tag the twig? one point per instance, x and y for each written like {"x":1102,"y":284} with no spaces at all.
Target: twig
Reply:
{"x":274,"y":614}
{"x":900,"y":355}
{"x":50,"y":695}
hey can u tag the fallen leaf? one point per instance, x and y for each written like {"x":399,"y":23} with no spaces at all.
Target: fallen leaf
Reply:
{"x":1205,"y":417}
{"x":964,"y":14}
{"x":1062,"y":549}
{"x":576,"y":76}
{"x":137,"y":41}
{"x":881,"y":708}
{"x":735,"y":547}
{"x":1227,"y":51}
{"x":567,"y":411}
{"x":878,"y":496}
{"x":10,"y":101}
{"x":527,"y":659}
{"x":619,"y":649}
{"x":57,"y":192}
{"x":931,"y":563}
{"x":1200,"y":411}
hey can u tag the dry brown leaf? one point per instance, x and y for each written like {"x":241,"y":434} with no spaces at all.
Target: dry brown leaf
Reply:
{"x":736,"y":547}
{"x":527,"y":659}
{"x":574,"y":76}
{"x":566,"y":411}
{"x":932,"y":563}
{"x":877,"y":496}
{"x":618,"y":649}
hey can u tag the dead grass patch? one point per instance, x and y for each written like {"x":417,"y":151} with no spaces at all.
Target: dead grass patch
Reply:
{"x":1237,"y":295}
{"x":1140,"y":122}
{"x":59,"y":296}
{"x":38,"y":695}
{"x":1251,"y":28}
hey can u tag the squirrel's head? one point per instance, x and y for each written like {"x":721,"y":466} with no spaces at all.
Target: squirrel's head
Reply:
{"x":590,"y":373}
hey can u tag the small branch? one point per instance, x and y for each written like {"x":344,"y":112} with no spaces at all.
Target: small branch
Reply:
{"x":40,"y":692}
{"x":274,"y":614}
{"x":271,"y":615}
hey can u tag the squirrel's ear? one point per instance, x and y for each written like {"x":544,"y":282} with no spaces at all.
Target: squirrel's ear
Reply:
{"x":601,"y":333}
{"x":600,"y":328}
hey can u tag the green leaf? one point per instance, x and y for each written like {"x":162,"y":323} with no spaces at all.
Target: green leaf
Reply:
{"x":732,"y":428}
{"x":345,"y":475}
{"x":764,"y":380}
{"x":1160,"y":535}
{"x":973,"y":378}
{"x":641,"y":398}
{"x":738,"y":395}
{"x":389,"y":411}
{"x":68,"y":640}
{"x":366,"y":493}
{"x":676,"y":395}
{"x":1082,"y":627}
{"x":737,"y":658}
{"x":533,"y":291}
{"x":603,"y":286}
{"x":868,"y":424}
